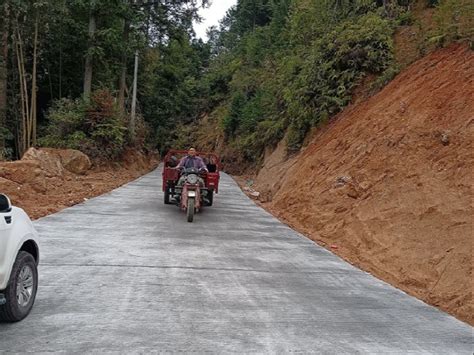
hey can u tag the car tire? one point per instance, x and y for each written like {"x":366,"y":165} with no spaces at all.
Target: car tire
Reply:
{"x":21,"y":290}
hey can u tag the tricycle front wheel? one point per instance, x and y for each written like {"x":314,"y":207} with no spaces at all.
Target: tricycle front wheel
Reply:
{"x":191,"y":209}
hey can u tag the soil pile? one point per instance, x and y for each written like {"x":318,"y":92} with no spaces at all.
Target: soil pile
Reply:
{"x":45,"y":181}
{"x":388,"y":185}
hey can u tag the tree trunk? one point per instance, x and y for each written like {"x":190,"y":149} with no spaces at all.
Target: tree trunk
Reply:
{"x":32,"y":138}
{"x":24,"y":100}
{"x":27,"y":129}
{"x":60,"y":94}
{"x":134,"y":99}
{"x":89,"y":57}
{"x":123,"y":74}
{"x":4,"y":77}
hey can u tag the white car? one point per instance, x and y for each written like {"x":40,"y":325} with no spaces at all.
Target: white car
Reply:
{"x":19,"y":258}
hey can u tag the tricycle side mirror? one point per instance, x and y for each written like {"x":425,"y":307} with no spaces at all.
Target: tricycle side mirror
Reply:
{"x":5,"y":204}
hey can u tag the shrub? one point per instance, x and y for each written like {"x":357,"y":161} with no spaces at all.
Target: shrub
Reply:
{"x":406,"y":19}
{"x":95,"y":127}
{"x":65,"y":125}
{"x":66,"y":116}
{"x":384,"y":78}
{"x":335,"y":63}
{"x":231,"y":121}
{"x":105,"y":125}
{"x":6,"y":152}
{"x":454,"y":21}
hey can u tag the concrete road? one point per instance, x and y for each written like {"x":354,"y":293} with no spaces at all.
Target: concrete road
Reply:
{"x":123,"y":273}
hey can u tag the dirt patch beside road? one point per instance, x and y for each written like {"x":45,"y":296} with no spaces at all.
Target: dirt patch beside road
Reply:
{"x":388,"y":185}
{"x":46,"y":181}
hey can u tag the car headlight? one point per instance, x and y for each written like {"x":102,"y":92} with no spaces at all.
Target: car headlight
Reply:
{"x":193,"y":179}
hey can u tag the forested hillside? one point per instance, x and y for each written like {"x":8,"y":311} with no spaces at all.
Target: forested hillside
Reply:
{"x":272,"y":69}
{"x":280,"y":68}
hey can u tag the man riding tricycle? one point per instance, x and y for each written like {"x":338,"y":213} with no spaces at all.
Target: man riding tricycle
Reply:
{"x":190,"y":180}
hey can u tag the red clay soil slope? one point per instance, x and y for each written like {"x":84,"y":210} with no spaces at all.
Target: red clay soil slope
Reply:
{"x":389,"y":184}
{"x":42,"y":186}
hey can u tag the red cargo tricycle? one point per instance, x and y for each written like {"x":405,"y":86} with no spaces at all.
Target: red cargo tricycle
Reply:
{"x":190,"y":189}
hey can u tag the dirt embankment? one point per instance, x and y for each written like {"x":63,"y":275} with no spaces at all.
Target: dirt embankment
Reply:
{"x":48,"y":180}
{"x":388,"y":184}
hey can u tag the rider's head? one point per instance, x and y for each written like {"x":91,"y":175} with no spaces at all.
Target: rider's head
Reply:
{"x":192,"y":152}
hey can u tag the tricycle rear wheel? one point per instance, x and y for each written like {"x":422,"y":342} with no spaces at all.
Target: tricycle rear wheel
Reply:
{"x":210,"y":197}
{"x":167,"y":196}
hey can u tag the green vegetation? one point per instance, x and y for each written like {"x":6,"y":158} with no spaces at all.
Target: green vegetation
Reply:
{"x":273,"y":69}
{"x":455,"y":20}
{"x":280,"y":68}
{"x":67,"y":72}
{"x":95,"y":126}
{"x":293,"y":66}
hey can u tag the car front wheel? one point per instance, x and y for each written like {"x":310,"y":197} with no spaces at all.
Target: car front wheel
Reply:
{"x":21,"y":291}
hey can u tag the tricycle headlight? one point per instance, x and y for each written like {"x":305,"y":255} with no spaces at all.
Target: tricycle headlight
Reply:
{"x":192,"y":179}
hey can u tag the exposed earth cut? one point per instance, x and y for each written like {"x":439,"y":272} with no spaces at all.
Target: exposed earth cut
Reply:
{"x":388,"y":184}
{"x":45,"y":181}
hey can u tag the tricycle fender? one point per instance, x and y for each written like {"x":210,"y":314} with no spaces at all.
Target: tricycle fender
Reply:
{"x":190,"y":192}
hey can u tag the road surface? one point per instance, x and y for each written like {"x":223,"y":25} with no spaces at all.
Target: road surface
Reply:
{"x":123,"y":273}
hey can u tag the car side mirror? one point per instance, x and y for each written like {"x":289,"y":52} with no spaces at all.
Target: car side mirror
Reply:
{"x":5,"y":204}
